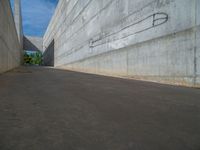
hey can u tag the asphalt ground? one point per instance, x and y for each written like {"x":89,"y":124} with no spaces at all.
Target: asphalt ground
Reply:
{"x":50,"y":109}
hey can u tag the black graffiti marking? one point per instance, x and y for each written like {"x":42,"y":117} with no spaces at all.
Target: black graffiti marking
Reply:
{"x":157,"y":20}
{"x":85,"y":24}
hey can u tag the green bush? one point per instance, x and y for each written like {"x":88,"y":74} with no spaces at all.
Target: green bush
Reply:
{"x":33,"y":58}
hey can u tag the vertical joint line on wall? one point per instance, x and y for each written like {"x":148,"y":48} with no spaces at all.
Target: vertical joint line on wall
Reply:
{"x":195,"y":43}
{"x":127,"y":64}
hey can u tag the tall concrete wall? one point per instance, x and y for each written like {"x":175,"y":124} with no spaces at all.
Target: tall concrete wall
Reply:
{"x":156,"y":40}
{"x":18,"y":20}
{"x":10,"y":49}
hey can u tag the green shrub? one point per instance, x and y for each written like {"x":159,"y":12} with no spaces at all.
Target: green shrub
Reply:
{"x":33,"y":58}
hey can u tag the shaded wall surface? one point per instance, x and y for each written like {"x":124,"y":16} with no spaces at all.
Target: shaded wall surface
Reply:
{"x":18,"y":20}
{"x":32,"y":43}
{"x":154,"y":40}
{"x":10,"y":49}
{"x":48,"y":55}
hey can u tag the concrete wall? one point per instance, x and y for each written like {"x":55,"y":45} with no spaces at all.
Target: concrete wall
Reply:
{"x":18,"y":20}
{"x":33,"y":43}
{"x":154,"y":40}
{"x":10,"y":49}
{"x":48,"y":55}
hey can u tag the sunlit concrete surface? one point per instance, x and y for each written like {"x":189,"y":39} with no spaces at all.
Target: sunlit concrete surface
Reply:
{"x":10,"y":48}
{"x":49,"y":109}
{"x":154,"y":40}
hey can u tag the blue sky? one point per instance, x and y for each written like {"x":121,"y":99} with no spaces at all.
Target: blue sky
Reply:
{"x":36,"y":15}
